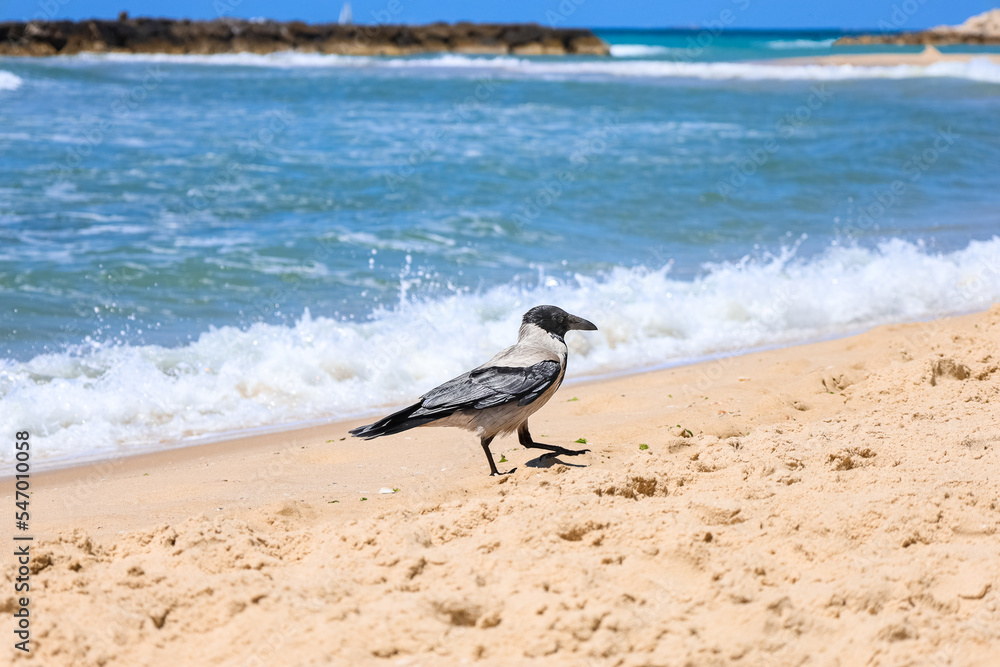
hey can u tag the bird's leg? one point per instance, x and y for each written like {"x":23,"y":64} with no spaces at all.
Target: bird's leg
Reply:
{"x":524,"y":437}
{"x":485,"y":442}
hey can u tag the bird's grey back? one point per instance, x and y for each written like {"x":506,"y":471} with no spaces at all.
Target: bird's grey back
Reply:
{"x":533,"y":345}
{"x":493,"y":398}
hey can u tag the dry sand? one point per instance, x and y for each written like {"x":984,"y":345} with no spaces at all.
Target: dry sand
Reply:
{"x":928,"y":56}
{"x":829,"y":504}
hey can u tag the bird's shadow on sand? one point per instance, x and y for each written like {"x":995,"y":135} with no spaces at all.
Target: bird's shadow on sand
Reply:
{"x":549,"y":460}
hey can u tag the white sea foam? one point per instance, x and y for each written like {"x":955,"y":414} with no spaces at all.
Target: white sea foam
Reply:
{"x":977,"y":69}
{"x":280,"y":59}
{"x":10,"y":81}
{"x":108,"y":399}
{"x":642,"y":50}
{"x":654,"y":51}
{"x":798,"y":43}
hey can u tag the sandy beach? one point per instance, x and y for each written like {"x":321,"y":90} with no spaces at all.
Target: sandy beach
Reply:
{"x":227,"y":243}
{"x":833,"y":503}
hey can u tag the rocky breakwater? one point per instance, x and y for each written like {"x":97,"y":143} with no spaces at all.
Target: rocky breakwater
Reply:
{"x":152,"y":35}
{"x":980,"y":29}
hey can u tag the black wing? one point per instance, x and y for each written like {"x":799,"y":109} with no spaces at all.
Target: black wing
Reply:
{"x":478,"y":389}
{"x":492,"y":386}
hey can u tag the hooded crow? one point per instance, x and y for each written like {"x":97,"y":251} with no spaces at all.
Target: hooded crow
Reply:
{"x":499,"y":396}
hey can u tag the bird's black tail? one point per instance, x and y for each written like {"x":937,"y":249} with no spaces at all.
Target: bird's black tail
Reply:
{"x":397,"y":422}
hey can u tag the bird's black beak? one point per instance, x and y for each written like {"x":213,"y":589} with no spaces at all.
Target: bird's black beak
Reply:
{"x":580,"y":324}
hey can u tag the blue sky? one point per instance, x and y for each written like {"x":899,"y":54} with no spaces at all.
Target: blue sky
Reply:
{"x":904,"y":14}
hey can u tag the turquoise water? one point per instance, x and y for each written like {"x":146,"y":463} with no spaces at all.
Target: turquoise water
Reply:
{"x":715,"y":45}
{"x":712,"y":44}
{"x":192,"y":245}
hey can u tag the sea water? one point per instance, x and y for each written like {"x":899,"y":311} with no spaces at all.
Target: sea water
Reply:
{"x":193,"y":246}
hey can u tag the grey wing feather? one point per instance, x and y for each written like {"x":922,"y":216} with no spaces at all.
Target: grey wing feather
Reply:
{"x":481,"y":388}
{"x":492,"y":386}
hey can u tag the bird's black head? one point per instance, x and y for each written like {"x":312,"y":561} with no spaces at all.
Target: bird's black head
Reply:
{"x":556,"y":320}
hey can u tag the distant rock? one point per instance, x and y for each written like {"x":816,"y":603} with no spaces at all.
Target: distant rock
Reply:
{"x":152,"y":35}
{"x":980,"y":29}
{"x":987,"y":23}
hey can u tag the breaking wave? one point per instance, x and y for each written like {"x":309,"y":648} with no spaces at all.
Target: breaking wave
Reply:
{"x":642,"y":50}
{"x":799,"y":43}
{"x":101,"y":400}
{"x":977,"y":69}
{"x":9,"y":81}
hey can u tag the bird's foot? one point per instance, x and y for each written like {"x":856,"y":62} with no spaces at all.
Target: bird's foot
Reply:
{"x":566,"y":452}
{"x":553,"y":450}
{"x":497,"y":473}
